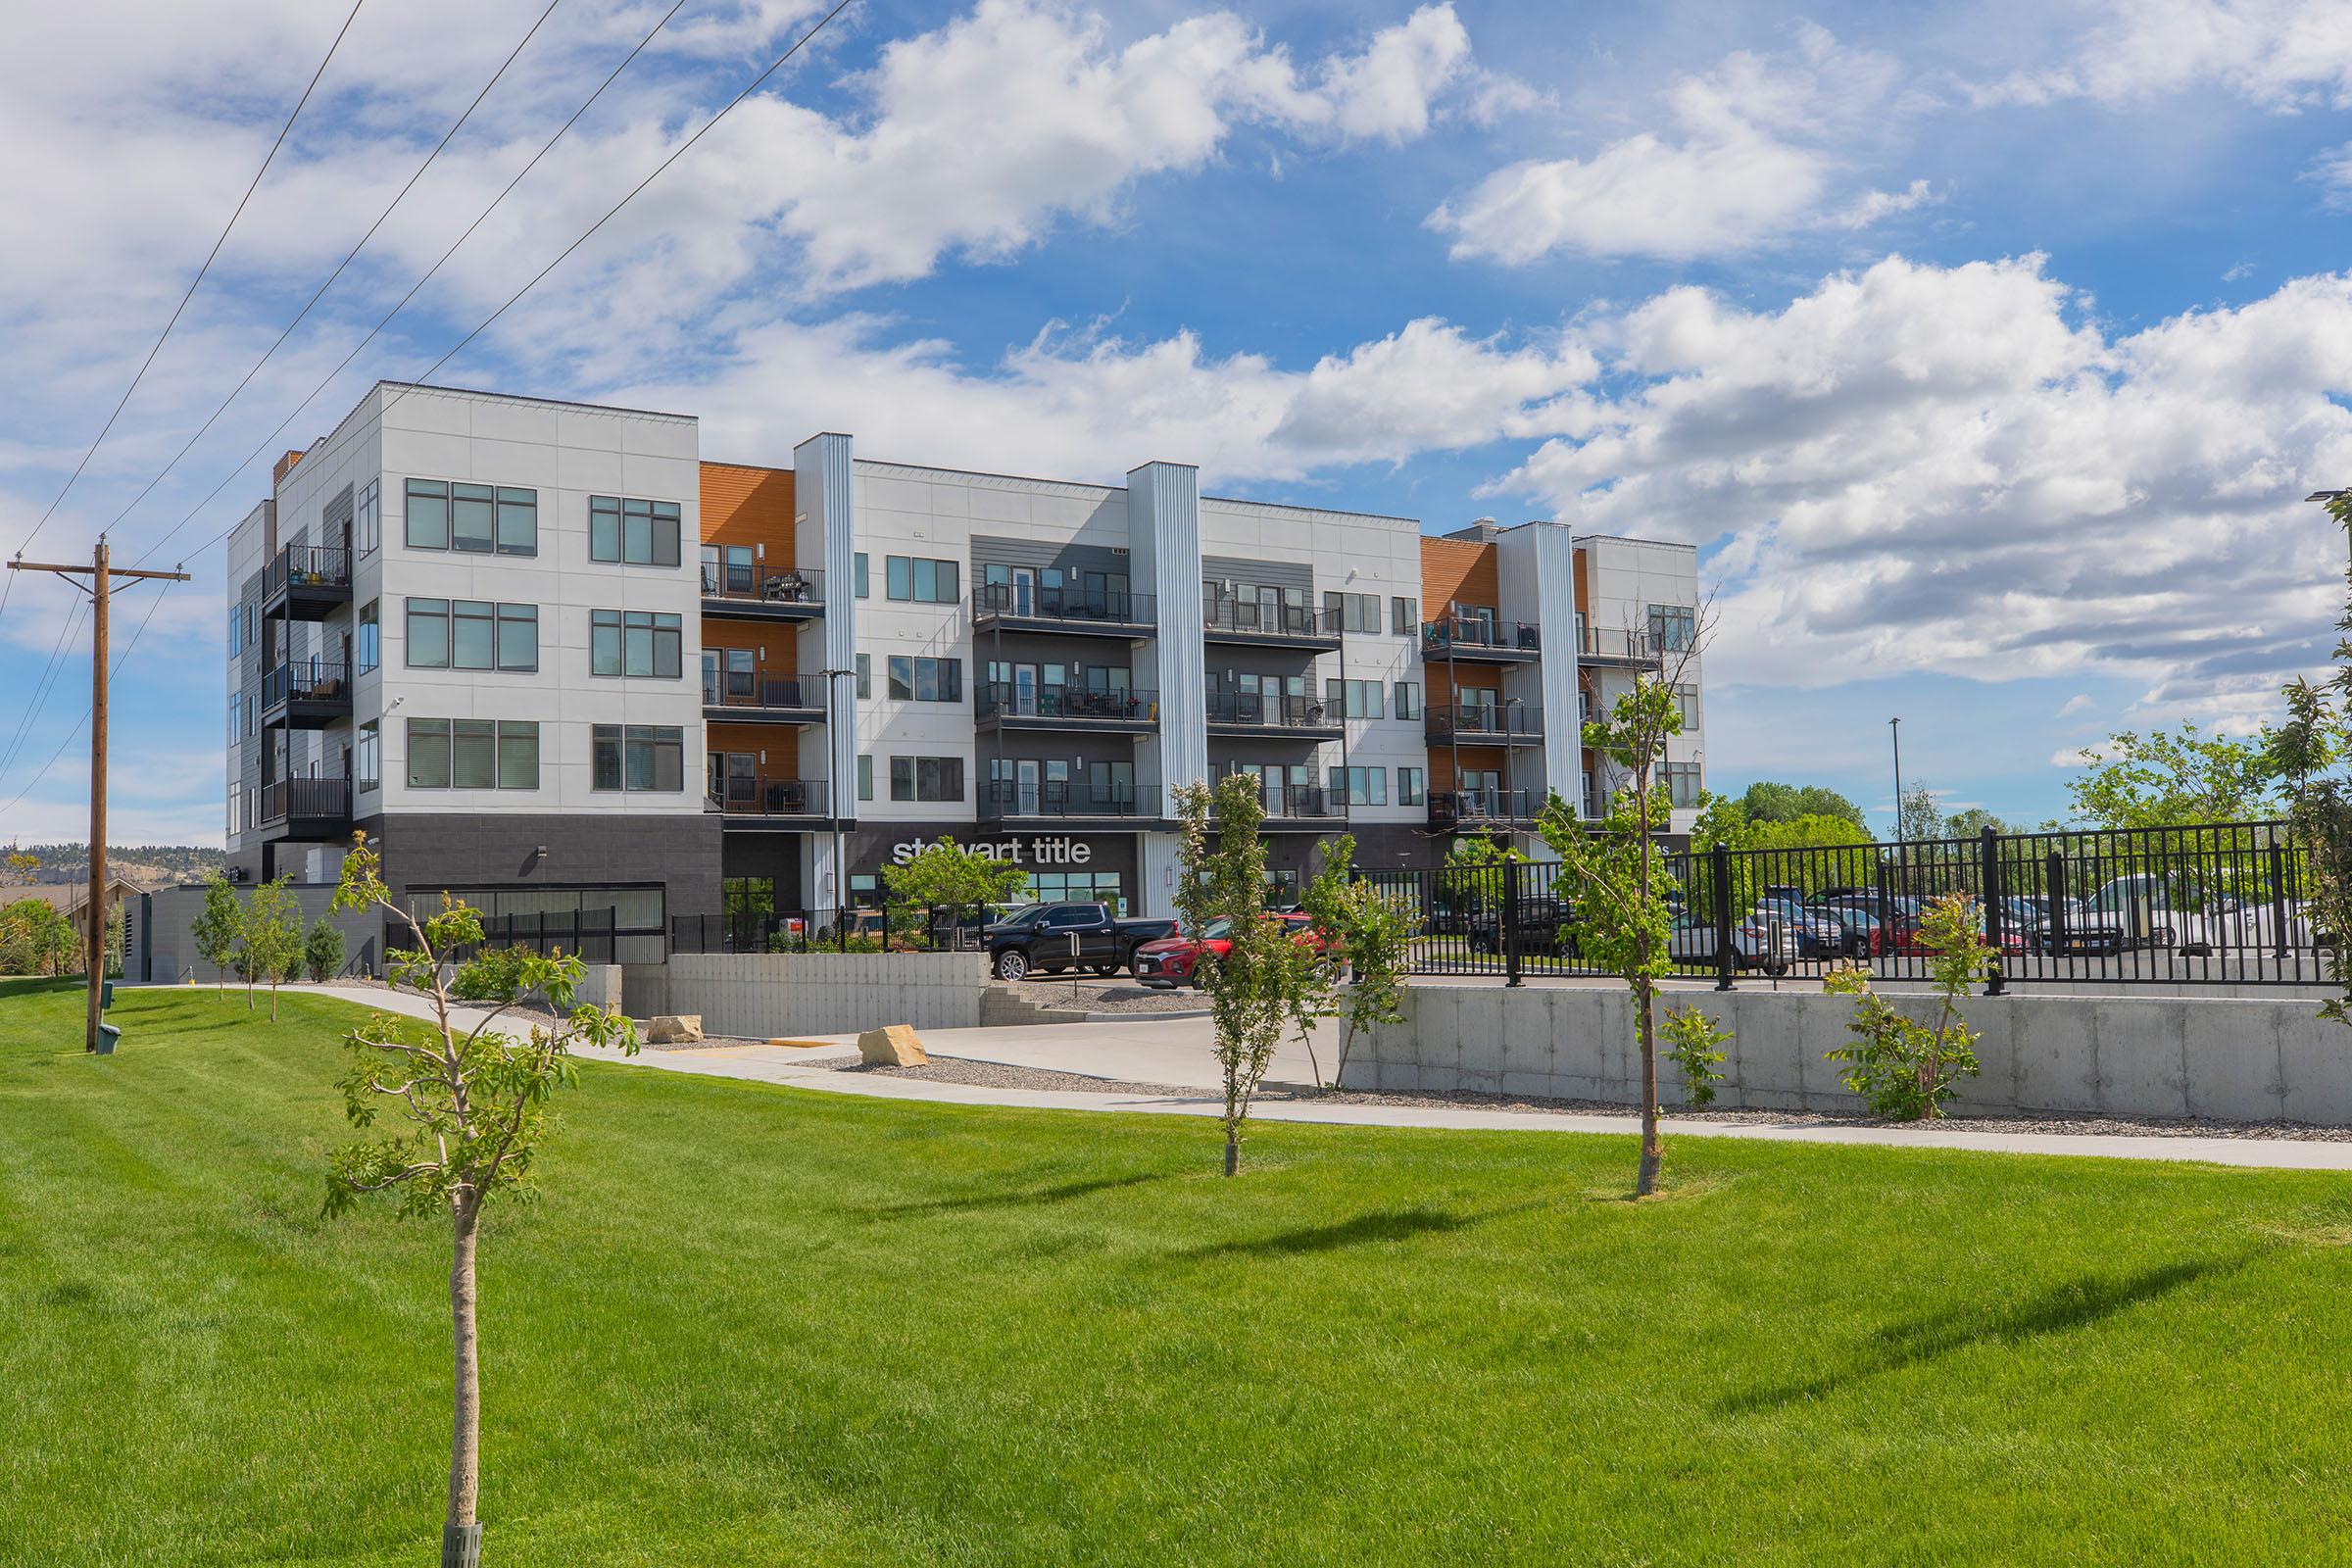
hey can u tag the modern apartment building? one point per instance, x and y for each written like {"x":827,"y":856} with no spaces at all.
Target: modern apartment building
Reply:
{"x":549,"y":657}
{"x":1531,"y":630}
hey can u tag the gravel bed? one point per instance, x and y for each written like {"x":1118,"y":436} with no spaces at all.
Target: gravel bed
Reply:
{"x":2100,"y":1126}
{"x":1090,"y":995}
{"x":998,"y":1075}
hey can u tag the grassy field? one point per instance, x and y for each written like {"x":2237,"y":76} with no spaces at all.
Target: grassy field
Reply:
{"x":745,"y":1325}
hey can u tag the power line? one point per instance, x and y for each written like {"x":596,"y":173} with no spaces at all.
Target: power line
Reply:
{"x":270,"y":439}
{"x":210,"y":257}
{"x":352,"y":255}
{"x":41,"y":687}
{"x":85,"y":713}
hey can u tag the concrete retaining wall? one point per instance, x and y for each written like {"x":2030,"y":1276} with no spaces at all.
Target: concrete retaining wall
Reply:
{"x":762,"y":994}
{"x":2267,"y":1059}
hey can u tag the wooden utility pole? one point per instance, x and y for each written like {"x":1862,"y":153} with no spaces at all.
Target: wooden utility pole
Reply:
{"x":100,"y":591}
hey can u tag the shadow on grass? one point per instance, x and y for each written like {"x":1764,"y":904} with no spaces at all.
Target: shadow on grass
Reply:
{"x":2076,"y":1304}
{"x":1022,"y":1198}
{"x":38,"y":986}
{"x":1379,"y":1225}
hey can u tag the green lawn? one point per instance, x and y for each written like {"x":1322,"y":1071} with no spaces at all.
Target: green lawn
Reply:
{"x":745,"y":1326}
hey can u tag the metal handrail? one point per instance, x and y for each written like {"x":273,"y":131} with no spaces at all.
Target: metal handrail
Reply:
{"x":794,"y":585}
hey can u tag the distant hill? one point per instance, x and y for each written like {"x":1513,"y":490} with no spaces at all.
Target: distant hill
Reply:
{"x":151,"y":864}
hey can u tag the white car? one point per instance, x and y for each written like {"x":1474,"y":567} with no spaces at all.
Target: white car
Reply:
{"x":1758,"y":942}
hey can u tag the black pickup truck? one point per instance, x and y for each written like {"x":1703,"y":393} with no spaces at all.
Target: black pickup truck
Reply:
{"x":1049,"y":938}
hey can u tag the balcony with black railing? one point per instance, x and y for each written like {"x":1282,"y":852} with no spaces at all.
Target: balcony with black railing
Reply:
{"x":1048,"y":801}
{"x":307,"y":693}
{"x":1450,"y":810}
{"x":750,"y":592}
{"x":1008,"y":705}
{"x":1617,"y":645}
{"x":1303,"y":807}
{"x":751,"y":802}
{"x":1267,"y":622}
{"x":307,"y":582}
{"x":303,"y":808}
{"x":1482,"y":639}
{"x":1486,"y":723}
{"x":1076,"y":610}
{"x":1292,"y":718}
{"x":740,"y":697}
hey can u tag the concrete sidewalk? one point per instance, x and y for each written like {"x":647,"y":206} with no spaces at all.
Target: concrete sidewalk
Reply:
{"x":1179,"y":1053}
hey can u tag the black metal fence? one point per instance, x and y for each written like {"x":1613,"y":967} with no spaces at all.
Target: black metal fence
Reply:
{"x":2224,"y":905}
{"x":860,"y":928}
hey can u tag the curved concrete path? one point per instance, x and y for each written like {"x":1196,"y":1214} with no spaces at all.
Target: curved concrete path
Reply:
{"x":1178,"y":1052}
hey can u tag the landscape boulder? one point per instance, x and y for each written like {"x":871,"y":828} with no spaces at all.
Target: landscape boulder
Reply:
{"x":675,"y":1029}
{"x":893,"y":1047}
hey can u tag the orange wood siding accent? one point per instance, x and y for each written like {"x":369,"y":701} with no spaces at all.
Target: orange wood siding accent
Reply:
{"x":781,"y":742}
{"x":774,"y":648}
{"x":1476,"y":758}
{"x":1452,"y":571}
{"x":746,"y":506}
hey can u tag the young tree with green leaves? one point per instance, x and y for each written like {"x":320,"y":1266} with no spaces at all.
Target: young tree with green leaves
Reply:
{"x":1371,"y":932}
{"x":35,"y":938}
{"x":2175,"y":779}
{"x":216,"y":927}
{"x":117,"y":940}
{"x":1264,"y":983}
{"x":2305,"y":752}
{"x":1905,"y":1069}
{"x":477,"y":1106}
{"x":1617,"y":874}
{"x":268,"y":939}
{"x":322,"y":949}
{"x":1917,"y":816}
{"x":944,"y":875}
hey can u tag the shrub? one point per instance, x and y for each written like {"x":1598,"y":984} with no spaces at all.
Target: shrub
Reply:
{"x":322,"y":949}
{"x":1695,"y":1044}
{"x":1904,"y":1070}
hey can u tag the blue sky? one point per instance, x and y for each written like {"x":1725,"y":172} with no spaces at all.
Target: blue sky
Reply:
{"x":1985,"y":350}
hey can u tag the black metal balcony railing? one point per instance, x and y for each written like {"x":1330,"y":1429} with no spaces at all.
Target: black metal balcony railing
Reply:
{"x":1618,"y":646}
{"x":305,"y":800}
{"x":306,"y":567}
{"x":1476,"y":633}
{"x":306,"y":680}
{"x":762,"y":691}
{"x":795,"y":586}
{"x":770,"y":797}
{"x":1458,"y":807}
{"x":997,"y":698}
{"x":1270,"y":712}
{"x":1004,"y":798}
{"x":1028,"y":601}
{"x":1268,"y":618}
{"x":1293,"y":802}
{"x":1484,"y":720}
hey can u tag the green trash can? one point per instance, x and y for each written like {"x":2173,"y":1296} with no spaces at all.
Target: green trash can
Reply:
{"x":106,"y":994}
{"x":108,"y":1034}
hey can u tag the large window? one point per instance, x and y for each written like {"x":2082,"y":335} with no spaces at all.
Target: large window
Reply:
{"x":1357,"y":612}
{"x":926,"y":778}
{"x":1360,"y":786}
{"x":633,"y":532}
{"x":472,"y":634}
{"x":1682,"y":783}
{"x":1409,"y":786}
{"x":368,"y":645}
{"x":729,"y":569}
{"x":478,"y":519}
{"x":367,"y":518}
{"x":1404,"y":616}
{"x":1408,"y":699}
{"x":370,"y":758}
{"x":925,"y":680}
{"x":866,"y":676}
{"x":1672,"y":627}
{"x":638,"y":756}
{"x":470,"y":754}
{"x":865,"y":775}
{"x":635,"y":642}
{"x":1685,"y":697}
{"x":1357,"y":699}
{"x":857,"y":574}
{"x":919,"y":579}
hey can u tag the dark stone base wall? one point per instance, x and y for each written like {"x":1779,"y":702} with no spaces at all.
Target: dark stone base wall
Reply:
{"x":680,"y":853}
{"x":773,"y":857}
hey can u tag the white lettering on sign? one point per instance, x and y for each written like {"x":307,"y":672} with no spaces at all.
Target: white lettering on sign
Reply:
{"x":1019,"y":851}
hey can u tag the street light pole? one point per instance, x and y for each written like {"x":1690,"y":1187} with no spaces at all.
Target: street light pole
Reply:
{"x":1895,"y":727}
{"x":841,"y":882}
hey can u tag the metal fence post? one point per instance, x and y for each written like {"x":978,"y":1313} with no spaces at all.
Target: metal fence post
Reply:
{"x":2279,"y":911}
{"x":1510,"y":923}
{"x":1727,"y":964}
{"x":1988,"y":843}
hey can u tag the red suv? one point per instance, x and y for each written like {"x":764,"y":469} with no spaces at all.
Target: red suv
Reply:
{"x":1175,"y":960}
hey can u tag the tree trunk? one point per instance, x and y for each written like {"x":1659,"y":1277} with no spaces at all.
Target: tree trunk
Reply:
{"x":1233,"y":1152}
{"x":460,"y":1533}
{"x":274,"y":1001}
{"x":1652,"y":1152}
